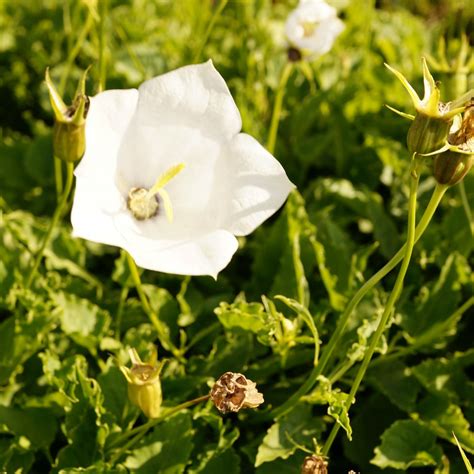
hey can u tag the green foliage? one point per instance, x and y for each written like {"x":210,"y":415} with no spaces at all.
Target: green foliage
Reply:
{"x":63,"y":401}
{"x":407,"y":443}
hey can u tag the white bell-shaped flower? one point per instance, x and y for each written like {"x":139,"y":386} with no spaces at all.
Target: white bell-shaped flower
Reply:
{"x":313,"y":27}
{"x":168,"y":177}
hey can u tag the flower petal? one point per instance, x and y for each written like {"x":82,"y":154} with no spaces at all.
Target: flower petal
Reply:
{"x":205,"y":254}
{"x":257,"y":184}
{"x":109,"y":115}
{"x":97,"y":198}
{"x":195,"y":96}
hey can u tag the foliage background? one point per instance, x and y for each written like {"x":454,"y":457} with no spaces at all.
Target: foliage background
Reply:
{"x":62,"y":398}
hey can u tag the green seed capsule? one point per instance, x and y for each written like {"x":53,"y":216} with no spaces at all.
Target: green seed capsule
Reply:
{"x":427,"y":134}
{"x":450,"y":167}
{"x":69,"y":141}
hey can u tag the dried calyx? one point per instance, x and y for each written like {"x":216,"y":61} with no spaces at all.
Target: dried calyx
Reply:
{"x":233,"y":391}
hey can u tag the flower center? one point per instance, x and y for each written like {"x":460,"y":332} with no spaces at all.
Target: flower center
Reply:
{"x":141,"y":204}
{"x":144,"y":204}
{"x":309,"y":28}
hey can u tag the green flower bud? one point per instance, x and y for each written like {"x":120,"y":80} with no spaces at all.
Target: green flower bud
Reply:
{"x":69,"y":139}
{"x":433,"y":119}
{"x":144,"y":385}
{"x":454,"y":162}
{"x":427,"y":134}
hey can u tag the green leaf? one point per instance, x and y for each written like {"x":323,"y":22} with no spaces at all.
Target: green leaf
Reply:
{"x":166,"y":449}
{"x":39,"y":425}
{"x":20,"y":338}
{"x":445,"y":418}
{"x":250,"y":317}
{"x":16,"y":455}
{"x":439,"y":301}
{"x":397,"y":382}
{"x":324,"y":394}
{"x":446,"y":377}
{"x":298,"y":427}
{"x":407,"y":444}
{"x":85,"y":424}
{"x":214,"y":453}
{"x":80,"y":319}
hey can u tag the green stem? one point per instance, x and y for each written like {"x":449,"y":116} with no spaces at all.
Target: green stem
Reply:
{"x":152,"y":316}
{"x":272,"y":134}
{"x":140,"y":431}
{"x":58,"y":177}
{"x":436,"y":197}
{"x":389,"y":307}
{"x":466,"y":206}
{"x":205,"y":38}
{"x":103,"y":7}
{"x":52,"y":224}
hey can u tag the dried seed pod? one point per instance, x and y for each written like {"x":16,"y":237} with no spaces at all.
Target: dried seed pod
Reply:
{"x":233,"y":391}
{"x":314,"y":465}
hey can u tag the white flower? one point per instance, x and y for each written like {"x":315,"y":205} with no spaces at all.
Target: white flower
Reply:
{"x":168,"y":177}
{"x":313,"y":27}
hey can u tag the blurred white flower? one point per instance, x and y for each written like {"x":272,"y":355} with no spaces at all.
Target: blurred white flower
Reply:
{"x":313,"y":27}
{"x":168,"y":177}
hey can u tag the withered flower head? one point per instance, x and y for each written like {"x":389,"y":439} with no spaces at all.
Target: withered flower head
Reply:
{"x":314,"y":465}
{"x":233,"y":391}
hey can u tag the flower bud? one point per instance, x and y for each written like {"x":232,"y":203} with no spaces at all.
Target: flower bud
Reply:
{"x":433,"y":120}
{"x":450,"y":166}
{"x":427,"y":134}
{"x":233,"y":391}
{"x":69,"y":141}
{"x":314,"y":465}
{"x":144,"y":385}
